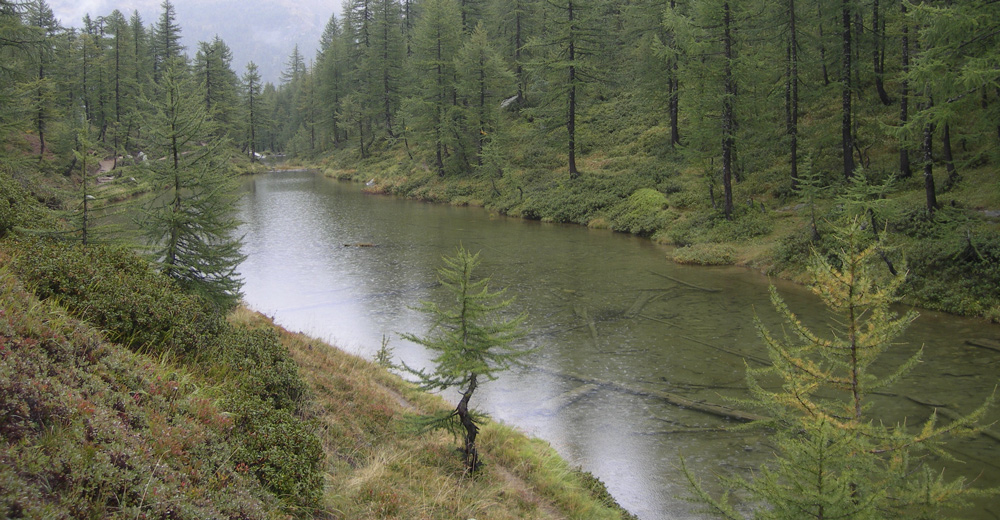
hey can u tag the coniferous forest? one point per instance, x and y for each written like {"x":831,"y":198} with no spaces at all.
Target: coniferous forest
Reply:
{"x":703,"y":124}
{"x":852,"y":144}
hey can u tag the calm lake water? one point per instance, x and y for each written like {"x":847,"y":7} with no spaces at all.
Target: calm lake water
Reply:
{"x":602,"y":307}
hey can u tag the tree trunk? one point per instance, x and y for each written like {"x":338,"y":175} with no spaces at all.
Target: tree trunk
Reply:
{"x":878,"y":53}
{"x":822,"y":44}
{"x":949,"y":160}
{"x":673,"y":86}
{"x":571,"y":119}
{"x":728,"y":120}
{"x":929,"y":168}
{"x":846,"y":129}
{"x":386,"y":79}
{"x":471,"y":430}
{"x":518,"y":43}
{"x":792,"y":94}
{"x":905,"y":171}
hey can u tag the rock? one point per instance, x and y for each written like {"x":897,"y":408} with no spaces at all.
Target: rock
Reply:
{"x":992,"y":213}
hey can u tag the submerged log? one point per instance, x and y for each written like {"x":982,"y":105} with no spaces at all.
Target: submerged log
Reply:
{"x":987,"y":344}
{"x":683,"y":402}
{"x":750,"y":357}
{"x":643,"y":299}
{"x":689,"y":284}
{"x":553,"y":405}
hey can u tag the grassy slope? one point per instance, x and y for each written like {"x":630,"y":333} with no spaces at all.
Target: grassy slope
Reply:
{"x":376,"y":469}
{"x":91,"y":429}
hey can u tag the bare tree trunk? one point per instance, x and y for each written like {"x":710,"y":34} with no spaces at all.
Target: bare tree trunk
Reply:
{"x":847,"y":131}
{"x":571,"y":119}
{"x":471,"y":429}
{"x":728,"y":118}
{"x":905,"y":171}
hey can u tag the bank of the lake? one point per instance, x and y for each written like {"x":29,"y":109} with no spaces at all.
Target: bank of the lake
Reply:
{"x":93,"y":428}
{"x":617,"y":328}
{"x":952,"y":258}
{"x":377,"y":468}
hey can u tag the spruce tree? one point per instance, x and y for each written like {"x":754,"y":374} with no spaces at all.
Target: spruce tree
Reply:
{"x":190,"y":232}
{"x":471,"y":344}
{"x":836,"y":456}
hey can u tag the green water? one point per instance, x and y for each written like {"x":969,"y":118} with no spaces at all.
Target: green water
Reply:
{"x":601,"y":306}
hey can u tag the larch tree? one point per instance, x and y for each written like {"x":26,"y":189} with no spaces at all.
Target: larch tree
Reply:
{"x":437,"y":37}
{"x":190,"y":228}
{"x":166,"y":41}
{"x":571,"y":42}
{"x":483,"y":79}
{"x":471,"y":343}
{"x":836,"y":456}
{"x":251,"y":96}
{"x":41,"y":19}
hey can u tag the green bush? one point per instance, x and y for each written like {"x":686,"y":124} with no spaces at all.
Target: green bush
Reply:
{"x":16,"y":206}
{"x":265,"y":368}
{"x":282,"y":450}
{"x":118,"y":291}
{"x":957,"y":274}
{"x":643,"y":213}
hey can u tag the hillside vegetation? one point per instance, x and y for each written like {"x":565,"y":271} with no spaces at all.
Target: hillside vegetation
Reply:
{"x":123,"y":397}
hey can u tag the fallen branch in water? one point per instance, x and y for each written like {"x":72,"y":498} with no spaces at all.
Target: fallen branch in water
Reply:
{"x":689,"y":284}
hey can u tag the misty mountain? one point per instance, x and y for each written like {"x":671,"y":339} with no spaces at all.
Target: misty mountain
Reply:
{"x":265,"y":31}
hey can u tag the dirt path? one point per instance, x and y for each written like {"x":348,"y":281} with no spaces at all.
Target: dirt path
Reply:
{"x":545,"y":508}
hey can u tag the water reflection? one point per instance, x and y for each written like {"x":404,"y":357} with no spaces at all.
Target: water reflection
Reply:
{"x":601,"y":306}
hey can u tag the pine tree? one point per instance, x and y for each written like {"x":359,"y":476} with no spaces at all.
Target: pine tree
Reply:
{"x":471,"y":344}
{"x":191,"y":232}
{"x":835,"y":457}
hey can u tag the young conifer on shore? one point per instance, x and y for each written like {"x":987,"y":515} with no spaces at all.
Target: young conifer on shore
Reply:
{"x":835,"y":457}
{"x":471,"y":344}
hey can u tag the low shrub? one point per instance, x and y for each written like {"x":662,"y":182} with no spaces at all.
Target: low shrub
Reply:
{"x":705,"y":254}
{"x":282,"y":450}
{"x":265,"y":369}
{"x":118,"y":291}
{"x":642,"y":213}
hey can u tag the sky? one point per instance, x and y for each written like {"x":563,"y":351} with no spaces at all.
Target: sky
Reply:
{"x":264,"y":31}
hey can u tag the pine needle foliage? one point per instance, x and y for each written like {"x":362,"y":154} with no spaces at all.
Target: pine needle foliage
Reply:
{"x":191,"y":226}
{"x":835,"y":457}
{"x":471,"y":343}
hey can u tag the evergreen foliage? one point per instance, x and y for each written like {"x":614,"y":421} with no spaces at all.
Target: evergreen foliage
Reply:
{"x":470,"y":341}
{"x":190,"y":231}
{"x":836,"y":457}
